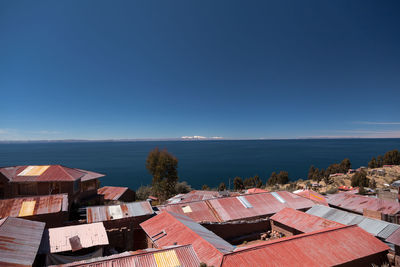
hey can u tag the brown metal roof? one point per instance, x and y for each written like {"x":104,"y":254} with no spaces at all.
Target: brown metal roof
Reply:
{"x":301,"y":221}
{"x":19,"y":241}
{"x":115,"y":212}
{"x":183,"y":256}
{"x":30,"y":206}
{"x":46,"y":173}
{"x":328,"y":247}
{"x":112,"y":192}
{"x":167,"y":229}
{"x":312,"y":195}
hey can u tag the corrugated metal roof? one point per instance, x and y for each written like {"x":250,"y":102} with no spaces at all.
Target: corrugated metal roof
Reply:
{"x":194,"y":195}
{"x":167,"y":229}
{"x":394,"y":237}
{"x":114,"y":212}
{"x":328,"y":247}
{"x":312,"y":195}
{"x":255,"y":190}
{"x":375,"y":227}
{"x":46,"y":173}
{"x":231,"y":208}
{"x":183,"y":256}
{"x":28,"y":206}
{"x":19,"y":241}
{"x":358,"y":203}
{"x":90,"y":235}
{"x":112,"y":192}
{"x":301,"y":221}
{"x":200,"y":211}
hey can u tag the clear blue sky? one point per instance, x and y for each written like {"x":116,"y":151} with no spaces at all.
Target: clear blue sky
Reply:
{"x":166,"y":69}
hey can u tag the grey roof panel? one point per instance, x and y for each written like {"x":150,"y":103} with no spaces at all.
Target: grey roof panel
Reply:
{"x":372,"y":226}
{"x":319,"y":210}
{"x":388,"y":230}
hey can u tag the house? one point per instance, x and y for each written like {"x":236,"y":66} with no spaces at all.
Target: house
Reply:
{"x":173,"y":256}
{"x":36,"y":180}
{"x":292,"y":222}
{"x":115,"y":193}
{"x":385,"y":209}
{"x":76,"y":242}
{"x":122,"y":223}
{"x":50,"y":209}
{"x":338,"y":246}
{"x":167,"y":229}
{"x":20,"y":241}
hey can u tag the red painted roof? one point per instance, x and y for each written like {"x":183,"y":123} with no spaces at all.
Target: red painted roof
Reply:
{"x":19,"y":242}
{"x":168,"y":229}
{"x":175,"y":256}
{"x":112,"y":192}
{"x":233,"y":208}
{"x":51,"y":173}
{"x":41,"y":205}
{"x":312,"y":195}
{"x":200,"y":211}
{"x":328,"y":247}
{"x":358,"y":203}
{"x":301,"y":221}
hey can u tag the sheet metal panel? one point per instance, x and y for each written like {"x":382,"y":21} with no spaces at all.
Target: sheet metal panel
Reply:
{"x":27,"y":206}
{"x":90,"y":235}
{"x":372,"y":226}
{"x":194,"y":195}
{"x":358,"y":203}
{"x":312,"y":195}
{"x":185,"y":255}
{"x":388,"y":230}
{"x":394,"y":238}
{"x":329,"y":247}
{"x":114,"y":212}
{"x":112,"y":192}
{"x":318,"y":210}
{"x":169,"y":229}
{"x":302,"y":221}
{"x":19,"y":242}
{"x":201,"y":211}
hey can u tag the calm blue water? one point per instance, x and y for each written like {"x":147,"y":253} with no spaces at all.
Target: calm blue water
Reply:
{"x":200,"y":162}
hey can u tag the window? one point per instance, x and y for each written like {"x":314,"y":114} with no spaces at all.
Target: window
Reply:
{"x":244,"y":202}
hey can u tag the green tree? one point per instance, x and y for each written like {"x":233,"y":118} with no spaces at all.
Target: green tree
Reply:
{"x":391,"y":158}
{"x":311,"y":172}
{"x":283,"y":177}
{"x":163,"y":167}
{"x":248,"y":182}
{"x":345,"y":165}
{"x":238,"y":184}
{"x":373,"y":163}
{"x":182,"y":188}
{"x":273,"y":179}
{"x":143,"y":192}
{"x":257,"y":181}
{"x":359,"y":179}
{"x":205,"y":187}
{"x":222,"y":187}
{"x":379,"y":161}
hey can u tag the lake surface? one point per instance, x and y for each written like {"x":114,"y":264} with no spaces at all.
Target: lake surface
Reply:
{"x":200,"y":162}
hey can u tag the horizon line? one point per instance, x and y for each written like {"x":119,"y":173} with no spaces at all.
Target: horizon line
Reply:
{"x":186,"y":140}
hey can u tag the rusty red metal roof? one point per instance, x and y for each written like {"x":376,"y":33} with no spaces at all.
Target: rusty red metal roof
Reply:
{"x":312,"y":195}
{"x":358,"y":203}
{"x":167,"y":229}
{"x":239,"y":207}
{"x":115,"y":212}
{"x":19,"y":241}
{"x":112,"y":192}
{"x":301,"y":221}
{"x":199,"y":211}
{"x":173,"y":256}
{"x":328,"y":247}
{"x":46,"y":173}
{"x":30,"y":206}
{"x":255,"y":205}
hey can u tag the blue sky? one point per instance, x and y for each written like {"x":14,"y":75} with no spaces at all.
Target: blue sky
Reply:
{"x":231,"y":69}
